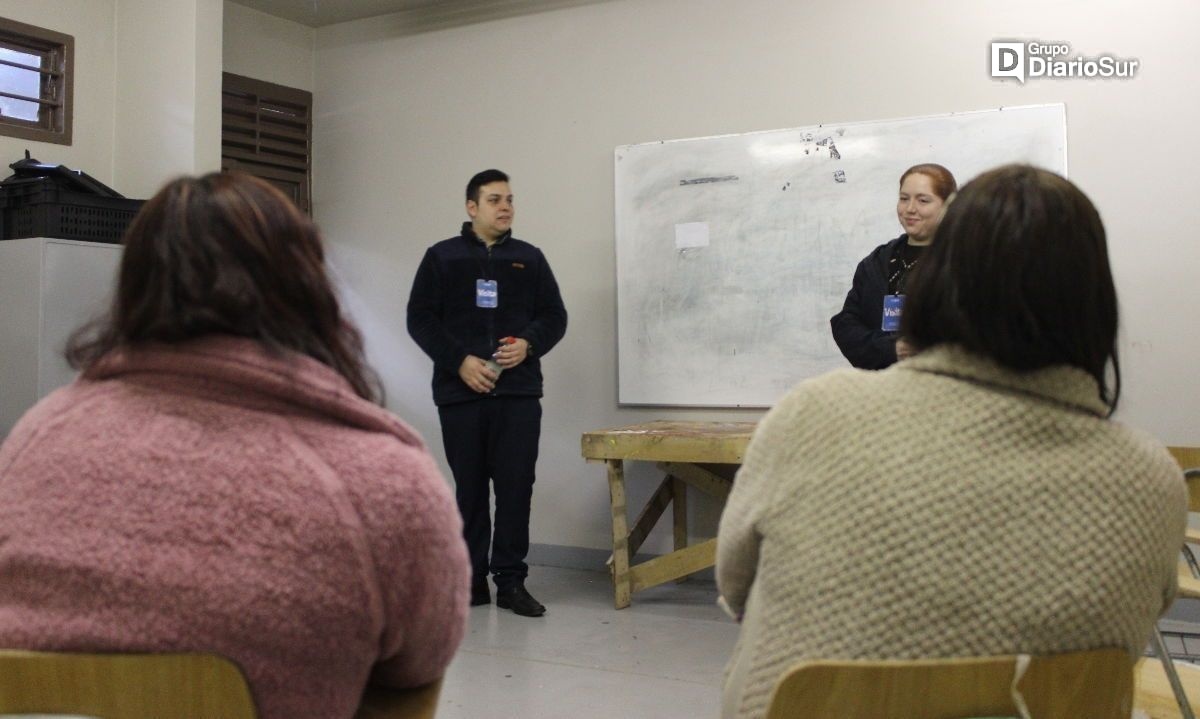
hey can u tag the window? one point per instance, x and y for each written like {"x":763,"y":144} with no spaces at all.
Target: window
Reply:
{"x":266,"y":131}
{"x":36,"y":66}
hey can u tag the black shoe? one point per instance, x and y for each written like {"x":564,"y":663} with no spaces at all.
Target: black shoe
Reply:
{"x":519,"y":600}
{"x":480,"y":594}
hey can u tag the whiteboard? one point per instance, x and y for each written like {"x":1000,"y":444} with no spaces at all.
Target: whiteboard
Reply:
{"x":733,"y":252}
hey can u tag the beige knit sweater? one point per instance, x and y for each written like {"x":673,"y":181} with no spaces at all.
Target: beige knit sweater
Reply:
{"x":943,"y":507}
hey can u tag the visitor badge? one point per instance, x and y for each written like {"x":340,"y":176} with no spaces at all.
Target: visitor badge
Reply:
{"x":486,"y":294}
{"x":893,"y":306}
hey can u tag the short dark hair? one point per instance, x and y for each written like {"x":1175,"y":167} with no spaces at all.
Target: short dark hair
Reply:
{"x":1018,"y":271}
{"x":944,"y":184}
{"x":480,"y":179}
{"x":226,"y":253}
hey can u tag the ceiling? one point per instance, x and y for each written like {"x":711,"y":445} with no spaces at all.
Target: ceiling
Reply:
{"x":416,"y":14}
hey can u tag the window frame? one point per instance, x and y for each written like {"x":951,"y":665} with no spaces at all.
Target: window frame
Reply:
{"x":57,"y":70}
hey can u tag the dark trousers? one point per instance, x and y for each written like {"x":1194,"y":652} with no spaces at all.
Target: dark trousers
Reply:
{"x":496,"y":439}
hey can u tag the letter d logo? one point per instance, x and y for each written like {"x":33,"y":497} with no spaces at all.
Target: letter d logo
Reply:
{"x":1008,"y":60}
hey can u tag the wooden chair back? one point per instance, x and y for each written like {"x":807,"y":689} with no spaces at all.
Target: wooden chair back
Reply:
{"x":1186,"y":456}
{"x":1097,"y":684}
{"x":1189,"y":460}
{"x":123,"y":686}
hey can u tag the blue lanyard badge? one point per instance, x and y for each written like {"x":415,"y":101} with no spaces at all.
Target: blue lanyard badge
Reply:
{"x":486,"y":294}
{"x":893,"y":307}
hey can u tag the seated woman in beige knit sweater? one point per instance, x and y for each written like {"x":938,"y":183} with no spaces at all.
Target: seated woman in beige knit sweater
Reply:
{"x":975,"y":499}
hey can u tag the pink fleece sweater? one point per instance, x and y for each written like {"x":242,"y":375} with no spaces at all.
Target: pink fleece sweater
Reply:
{"x":212,"y":497}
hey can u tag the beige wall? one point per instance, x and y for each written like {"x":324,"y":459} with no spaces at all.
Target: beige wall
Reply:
{"x":403,"y":122}
{"x":168,"y":92}
{"x":91,"y":23}
{"x":147,"y":88}
{"x":206,"y":92}
{"x":267,"y":48}
{"x":147,"y":107}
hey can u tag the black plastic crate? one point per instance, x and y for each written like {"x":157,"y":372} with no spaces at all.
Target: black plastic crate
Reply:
{"x":39,"y":207}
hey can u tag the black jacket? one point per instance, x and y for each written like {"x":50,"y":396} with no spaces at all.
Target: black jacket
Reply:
{"x":445,"y":322}
{"x":857,"y":329}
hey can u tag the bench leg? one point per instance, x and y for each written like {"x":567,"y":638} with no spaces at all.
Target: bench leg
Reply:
{"x":620,"y":529}
{"x":679,"y":509}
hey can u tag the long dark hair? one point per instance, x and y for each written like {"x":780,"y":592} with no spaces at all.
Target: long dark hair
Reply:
{"x":226,"y":253}
{"x":1018,"y":271}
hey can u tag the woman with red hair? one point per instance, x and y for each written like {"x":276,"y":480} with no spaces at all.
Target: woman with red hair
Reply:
{"x":867,"y":328}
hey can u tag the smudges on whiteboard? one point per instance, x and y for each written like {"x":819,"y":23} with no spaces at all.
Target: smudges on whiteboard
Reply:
{"x":839,"y":176}
{"x":705,"y":180}
{"x":787,"y":186}
{"x":833,"y":151}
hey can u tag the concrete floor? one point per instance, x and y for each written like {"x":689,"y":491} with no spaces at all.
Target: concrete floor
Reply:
{"x":663,"y":657}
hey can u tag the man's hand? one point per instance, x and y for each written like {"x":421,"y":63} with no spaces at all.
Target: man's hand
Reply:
{"x":510,"y":354}
{"x":475,"y":373}
{"x":903,"y":349}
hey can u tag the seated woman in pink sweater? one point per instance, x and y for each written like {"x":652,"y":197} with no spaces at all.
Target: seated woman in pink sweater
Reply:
{"x":220,"y":478}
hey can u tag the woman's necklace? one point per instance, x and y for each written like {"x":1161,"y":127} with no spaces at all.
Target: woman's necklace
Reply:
{"x":901,"y":267}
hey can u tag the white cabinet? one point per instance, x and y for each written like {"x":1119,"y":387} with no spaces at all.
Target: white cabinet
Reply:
{"x":48,"y":288}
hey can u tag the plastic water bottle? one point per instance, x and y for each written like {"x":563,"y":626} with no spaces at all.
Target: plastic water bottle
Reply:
{"x":492,"y":364}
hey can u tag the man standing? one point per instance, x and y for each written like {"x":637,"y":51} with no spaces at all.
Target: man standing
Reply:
{"x":485,"y":307}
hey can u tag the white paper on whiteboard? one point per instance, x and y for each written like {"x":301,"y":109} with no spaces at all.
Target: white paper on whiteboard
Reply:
{"x":691,"y":234}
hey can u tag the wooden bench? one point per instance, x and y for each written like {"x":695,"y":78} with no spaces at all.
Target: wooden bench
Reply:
{"x":704,"y":455}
